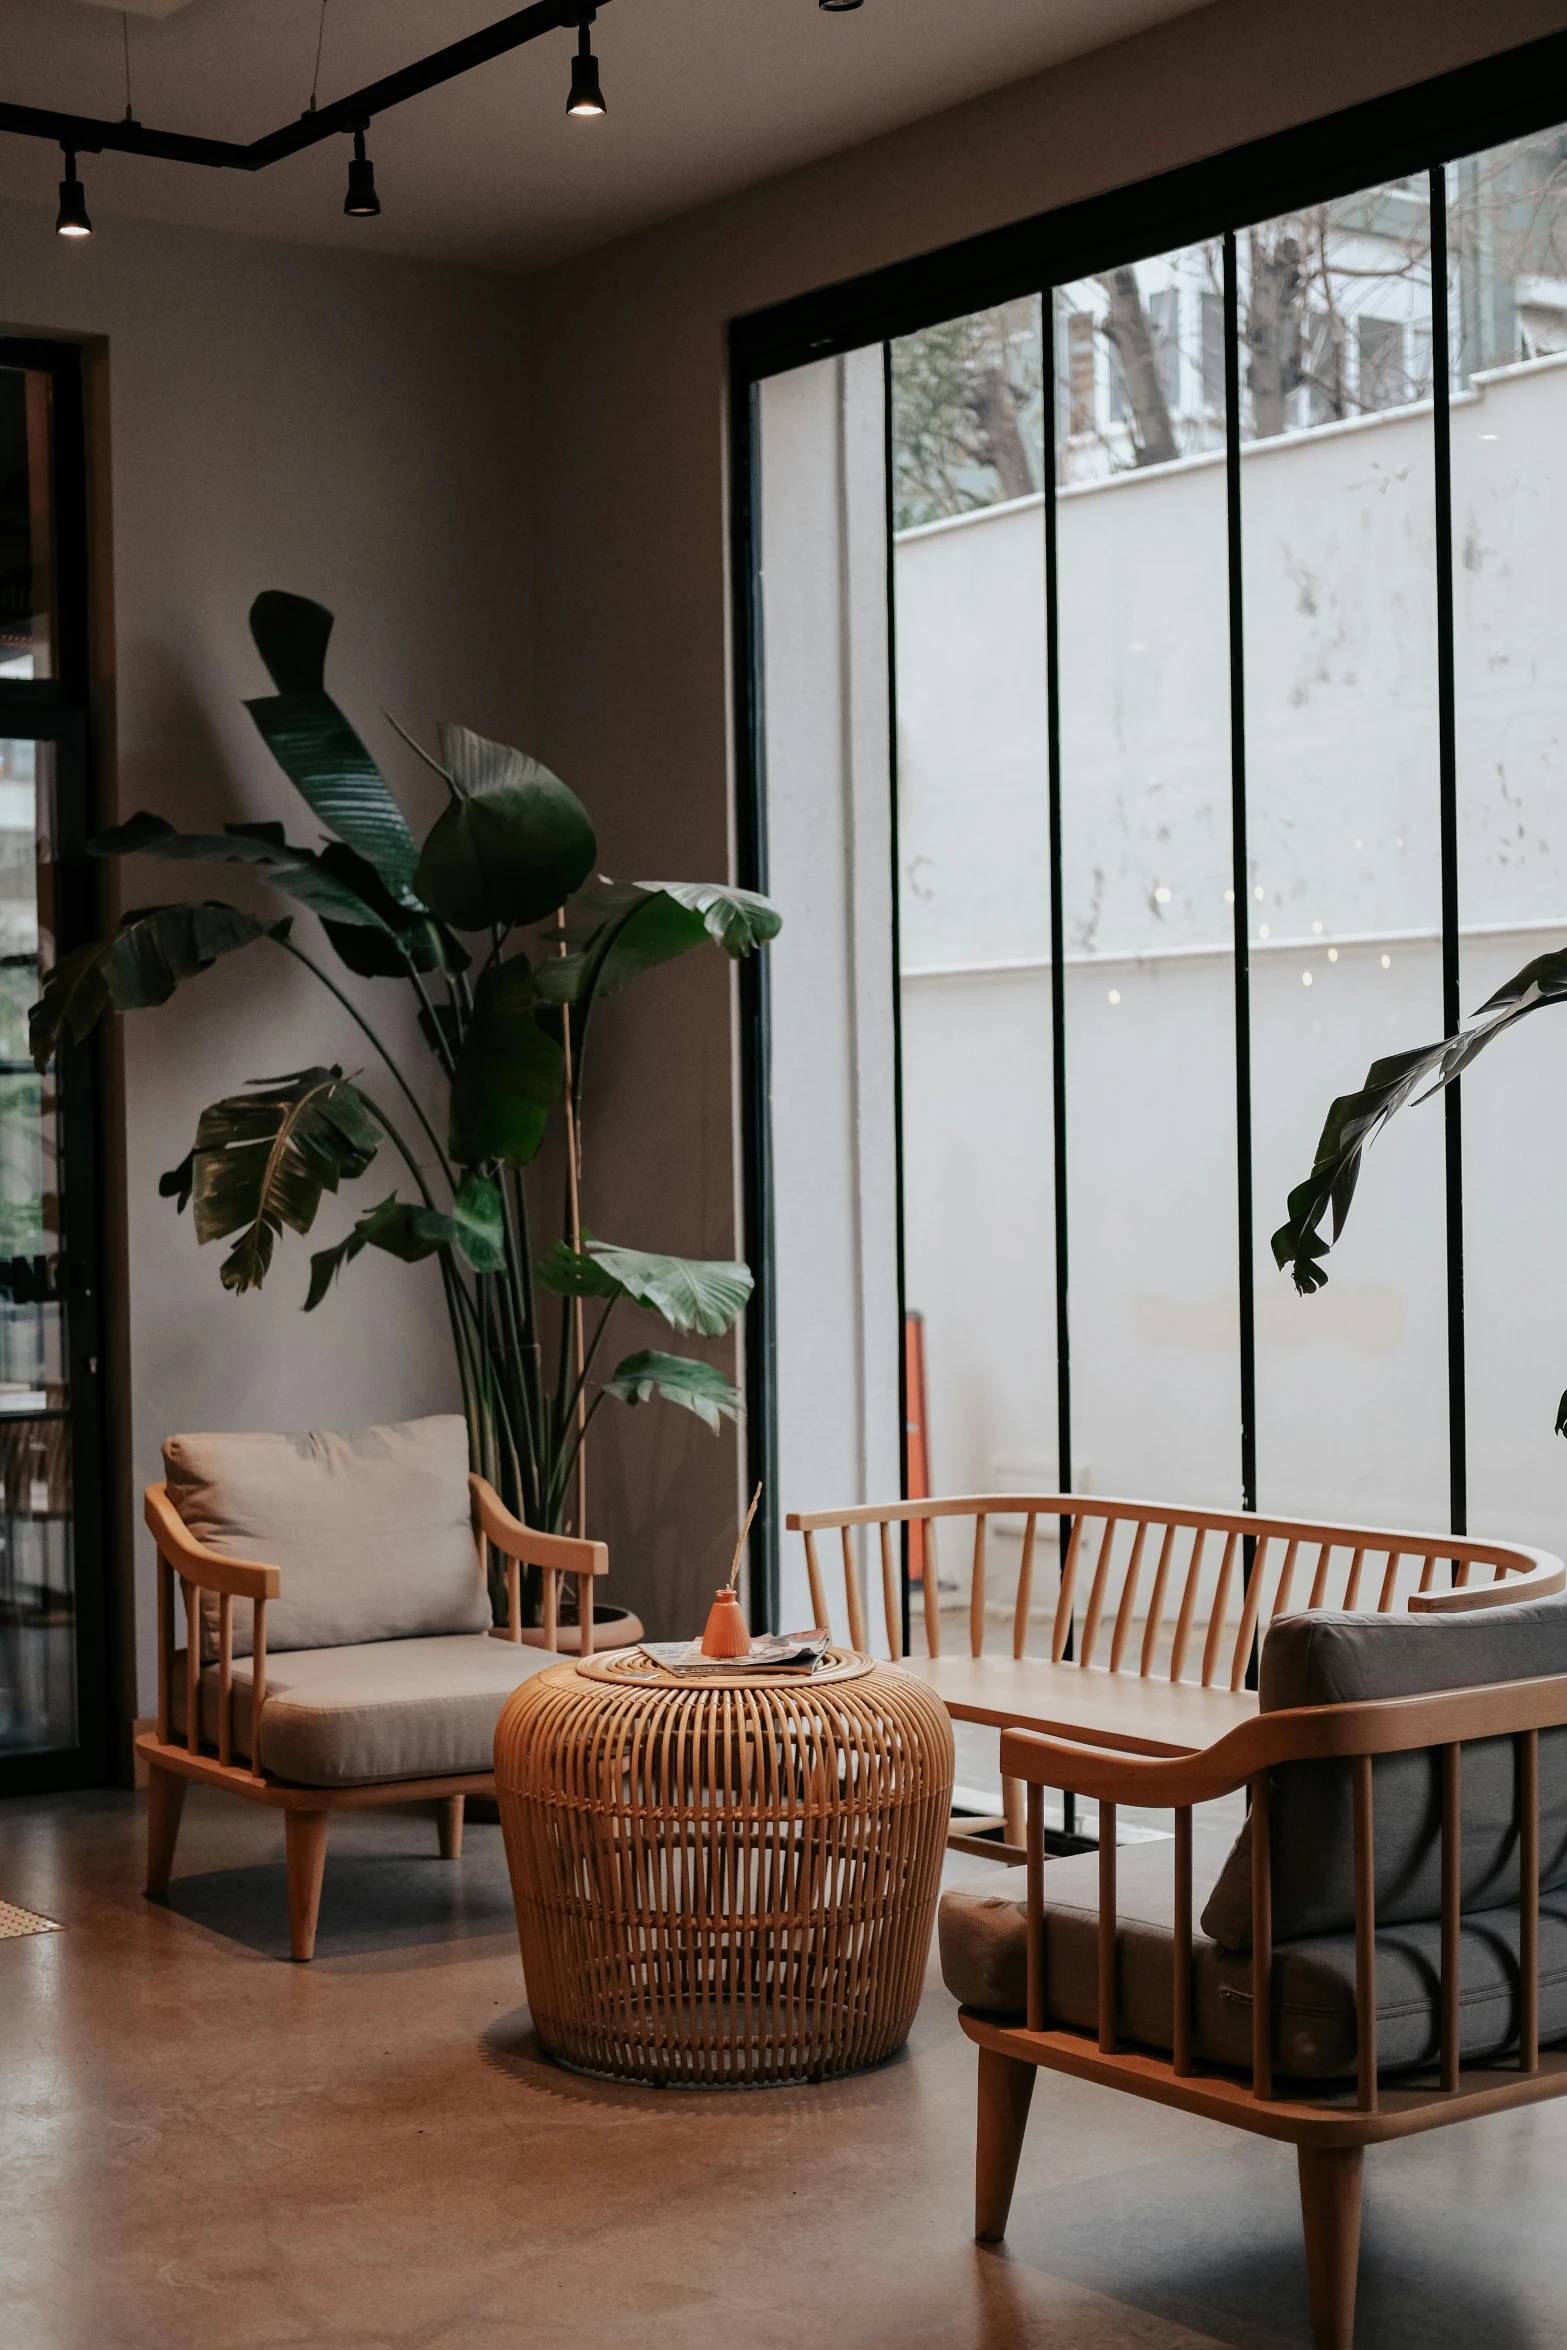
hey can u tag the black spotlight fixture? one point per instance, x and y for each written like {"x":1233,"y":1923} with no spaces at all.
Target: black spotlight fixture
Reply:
{"x":361,"y":202}
{"x":71,"y":220}
{"x":837,"y":7}
{"x":586,"y":96}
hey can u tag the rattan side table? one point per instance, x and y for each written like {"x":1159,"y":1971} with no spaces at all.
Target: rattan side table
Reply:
{"x":723,"y":1882}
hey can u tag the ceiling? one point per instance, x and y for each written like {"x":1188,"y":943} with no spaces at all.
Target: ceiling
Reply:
{"x":705,"y":97}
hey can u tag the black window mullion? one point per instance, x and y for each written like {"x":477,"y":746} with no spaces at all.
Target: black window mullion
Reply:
{"x":761,"y":1321}
{"x":1064,"y":1482}
{"x":890,"y":517}
{"x":1447,"y":781}
{"x":1241,"y":895}
{"x":1242,"y":886}
{"x":1057,"y":917}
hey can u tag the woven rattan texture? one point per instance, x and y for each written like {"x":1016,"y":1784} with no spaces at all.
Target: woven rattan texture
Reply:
{"x":15,"y":1922}
{"x":724,"y":1886}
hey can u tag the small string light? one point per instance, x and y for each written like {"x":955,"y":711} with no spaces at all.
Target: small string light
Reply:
{"x":361,"y":202}
{"x":586,"y":96}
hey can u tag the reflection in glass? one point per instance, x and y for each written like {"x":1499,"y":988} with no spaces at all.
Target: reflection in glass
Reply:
{"x":37,"y":1581}
{"x":1344,"y":885}
{"x":26,"y":526}
{"x":1146,"y":851}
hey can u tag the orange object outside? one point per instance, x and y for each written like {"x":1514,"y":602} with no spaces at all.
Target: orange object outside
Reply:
{"x":916,"y":1446}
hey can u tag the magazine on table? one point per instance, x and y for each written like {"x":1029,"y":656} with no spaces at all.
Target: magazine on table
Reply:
{"x":798,"y":1653}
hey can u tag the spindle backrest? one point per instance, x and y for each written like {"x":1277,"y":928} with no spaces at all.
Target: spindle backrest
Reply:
{"x":1214,"y":1579}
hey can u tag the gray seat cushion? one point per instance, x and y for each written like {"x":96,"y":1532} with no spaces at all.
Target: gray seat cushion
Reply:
{"x":983,"y":1942}
{"x":393,"y":1709}
{"x":1337,"y":1659}
{"x":373,"y":1531}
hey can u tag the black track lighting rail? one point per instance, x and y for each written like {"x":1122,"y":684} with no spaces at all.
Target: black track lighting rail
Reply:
{"x":82,"y":134}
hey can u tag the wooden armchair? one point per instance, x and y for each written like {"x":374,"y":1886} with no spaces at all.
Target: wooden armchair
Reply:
{"x":1371,"y":1958}
{"x":1157,"y":1613}
{"x":386,"y":1684}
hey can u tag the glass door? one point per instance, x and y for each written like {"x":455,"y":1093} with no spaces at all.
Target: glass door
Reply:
{"x":54,"y":1710}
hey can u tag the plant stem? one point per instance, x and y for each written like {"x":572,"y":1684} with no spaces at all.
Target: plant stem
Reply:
{"x":574,"y":1405}
{"x":360,"y":1021}
{"x":397,"y":1142}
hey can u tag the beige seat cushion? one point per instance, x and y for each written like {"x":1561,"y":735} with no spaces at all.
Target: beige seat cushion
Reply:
{"x":373,"y":1531}
{"x":393,"y":1709}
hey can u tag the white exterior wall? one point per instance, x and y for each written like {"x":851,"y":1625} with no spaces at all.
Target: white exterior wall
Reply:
{"x":1341,"y":698}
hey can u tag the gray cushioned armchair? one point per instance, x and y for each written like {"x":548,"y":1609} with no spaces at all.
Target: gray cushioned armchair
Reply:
{"x":1384,"y":1949}
{"x":336,"y":1620}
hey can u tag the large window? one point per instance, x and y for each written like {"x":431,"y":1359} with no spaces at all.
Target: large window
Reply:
{"x":1221,"y":629}
{"x":54,"y":1711}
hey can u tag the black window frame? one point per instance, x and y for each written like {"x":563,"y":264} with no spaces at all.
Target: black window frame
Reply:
{"x":57,"y":710}
{"x":1415,"y":131}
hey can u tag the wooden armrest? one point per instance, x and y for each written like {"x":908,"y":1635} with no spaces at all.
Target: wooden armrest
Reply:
{"x":209,"y":1569}
{"x":563,"y":1552}
{"x":1541,"y":1581}
{"x":557,"y":1554}
{"x":1310,"y":1733}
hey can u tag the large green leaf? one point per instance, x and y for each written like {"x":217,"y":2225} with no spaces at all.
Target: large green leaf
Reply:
{"x":325,"y":760}
{"x":316,"y":747}
{"x":678,"y":1379}
{"x":1355,"y":1119}
{"x":513,"y":845}
{"x":479,"y":1222}
{"x":375,"y":934}
{"x":692,"y":1293}
{"x":332,"y":884}
{"x":640,"y":924}
{"x":140,"y":965}
{"x":403,"y":1231}
{"x":263,"y":1158}
{"x":508,"y":1073}
{"x":400,"y":935}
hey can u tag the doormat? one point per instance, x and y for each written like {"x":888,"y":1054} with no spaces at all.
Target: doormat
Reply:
{"x":24,"y":1921}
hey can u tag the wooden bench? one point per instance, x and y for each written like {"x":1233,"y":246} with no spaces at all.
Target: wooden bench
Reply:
{"x":1157,"y":1616}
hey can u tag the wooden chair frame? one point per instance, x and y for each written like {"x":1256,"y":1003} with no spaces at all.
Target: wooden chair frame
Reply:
{"x":1127,"y":1703}
{"x":1331,"y":2130}
{"x":172,"y":1763}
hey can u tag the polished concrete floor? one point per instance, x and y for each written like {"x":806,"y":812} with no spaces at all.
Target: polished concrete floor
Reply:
{"x":201,"y":2144}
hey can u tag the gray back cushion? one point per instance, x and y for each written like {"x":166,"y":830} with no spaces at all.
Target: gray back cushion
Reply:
{"x":373,"y":1531}
{"x":1335,"y":1659}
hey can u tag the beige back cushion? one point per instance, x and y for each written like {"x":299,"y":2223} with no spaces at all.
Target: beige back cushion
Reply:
{"x":372,"y":1531}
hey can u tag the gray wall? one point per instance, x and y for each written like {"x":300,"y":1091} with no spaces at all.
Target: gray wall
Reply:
{"x":351,"y":429}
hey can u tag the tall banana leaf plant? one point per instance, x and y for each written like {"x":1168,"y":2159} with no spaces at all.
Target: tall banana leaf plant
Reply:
{"x":1355,"y":1119}
{"x":510,"y":946}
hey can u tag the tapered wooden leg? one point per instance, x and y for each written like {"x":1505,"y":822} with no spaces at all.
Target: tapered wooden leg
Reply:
{"x":165,"y":1803}
{"x":1006,"y":2086}
{"x":306,"y":1834}
{"x":1014,"y":1811}
{"x":448,"y":1815}
{"x":1330,"y":2209}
